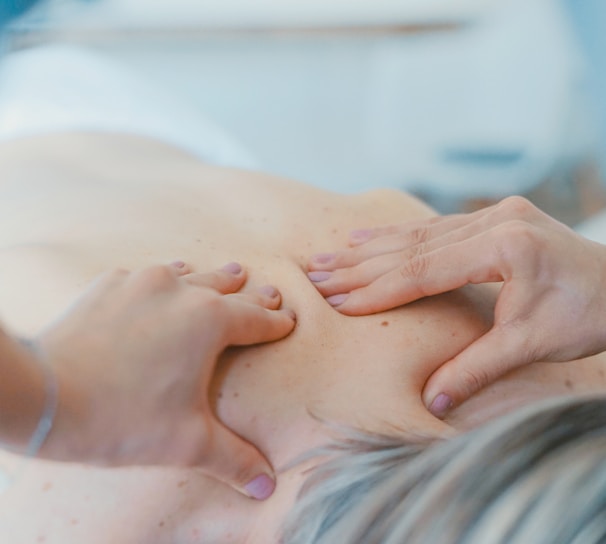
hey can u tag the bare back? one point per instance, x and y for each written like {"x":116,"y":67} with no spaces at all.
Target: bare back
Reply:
{"x":73,"y":206}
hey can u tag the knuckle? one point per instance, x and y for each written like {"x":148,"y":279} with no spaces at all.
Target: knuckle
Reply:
{"x":435,"y":219}
{"x":216,"y":279}
{"x":209,"y":303}
{"x":517,"y":206}
{"x":117,"y":273}
{"x":417,"y":235}
{"x":348,"y":278}
{"x":120,"y":271}
{"x":241,"y":471}
{"x":416,"y":266}
{"x":517,"y":231}
{"x":528,"y":348}
{"x":113,"y":276}
{"x":158,"y":277}
{"x":517,"y":239}
{"x":472,"y":381}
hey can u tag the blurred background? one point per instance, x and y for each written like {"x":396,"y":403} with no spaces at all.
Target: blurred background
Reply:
{"x":461,"y":102}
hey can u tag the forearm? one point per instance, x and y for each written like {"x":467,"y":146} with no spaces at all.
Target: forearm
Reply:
{"x":22,"y":393}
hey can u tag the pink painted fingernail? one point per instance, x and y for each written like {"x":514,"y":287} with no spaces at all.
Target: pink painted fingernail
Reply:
{"x":319,"y":275}
{"x":323,"y":258}
{"x":268,"y":291}
{"x":360,"y":235}
{"x":440,"y":405}
{"x":178,"y":264}
{"x":336,"y":300}
{"x":232,"y":268}
{"x":261,"y":487}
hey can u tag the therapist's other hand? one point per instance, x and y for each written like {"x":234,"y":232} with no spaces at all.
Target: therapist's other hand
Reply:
{"x":551,"y":305}
{"x":134,"y":358}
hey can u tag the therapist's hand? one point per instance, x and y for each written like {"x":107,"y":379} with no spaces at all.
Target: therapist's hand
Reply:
{"x":551,"y":305}
{"x":134,"y":358}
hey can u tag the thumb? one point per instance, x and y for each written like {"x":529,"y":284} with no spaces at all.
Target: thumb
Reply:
{"x":229,"y":458}
{"x":480,"y":364}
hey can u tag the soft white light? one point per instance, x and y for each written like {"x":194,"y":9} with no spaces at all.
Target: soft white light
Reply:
{"x":266,"y":13}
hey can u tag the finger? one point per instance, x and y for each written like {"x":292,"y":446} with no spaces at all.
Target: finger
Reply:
{"x":156,"y":277}
{"x":247,"y":323}
{"x":480,"y":364}
{"x":110,"y":279}
{"x":345,"y":280}
{"x":180,"y":267}
{"x":479,"y":259}
{"x":238,"y":463}
{"x":353,"y":256}
{"x":383,"y":245}
{"x":429,"y":233}
{"x":152,"y":279}
{"x":228,"y":279}
{"x":510,"y":208}
{"x":385,"y":260}
{"x":435,"y":226}
{"x":361,"y":266}
{"x":267,"y":297}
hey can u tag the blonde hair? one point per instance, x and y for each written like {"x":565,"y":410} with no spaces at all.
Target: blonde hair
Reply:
{"x":536,"y":476}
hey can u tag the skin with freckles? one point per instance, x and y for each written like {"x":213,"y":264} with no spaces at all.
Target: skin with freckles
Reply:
{"x":75,"y":205}
{"x":165,"y":323}
{"x":550,"y":303}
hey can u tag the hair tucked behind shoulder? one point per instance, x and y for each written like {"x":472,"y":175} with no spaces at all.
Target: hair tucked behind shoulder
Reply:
{"x":536,"y":476}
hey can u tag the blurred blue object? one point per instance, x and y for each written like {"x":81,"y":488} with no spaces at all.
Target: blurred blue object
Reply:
{"x":495,"y":109}
{"x":10,"y":9}
{"x":589,"y":20}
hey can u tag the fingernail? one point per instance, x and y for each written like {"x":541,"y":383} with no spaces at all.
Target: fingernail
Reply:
{"x":336,"y":300}
{"x":268,"y":291}
{"x":360,"y":235}
{"x":291,"y":313}
{"x":440,"y":405}
{"x":261,"y":487}
{"x":232,"y":268}
{"x":178,"y":264}
{"x":323,"y":258}
{"x":319,"y":275}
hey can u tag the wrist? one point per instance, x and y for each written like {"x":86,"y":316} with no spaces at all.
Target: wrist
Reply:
{"x":47,"y":417}
{"x":22,"y":394}
{"x":80,"y":432}
{"x":65,"y":440}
